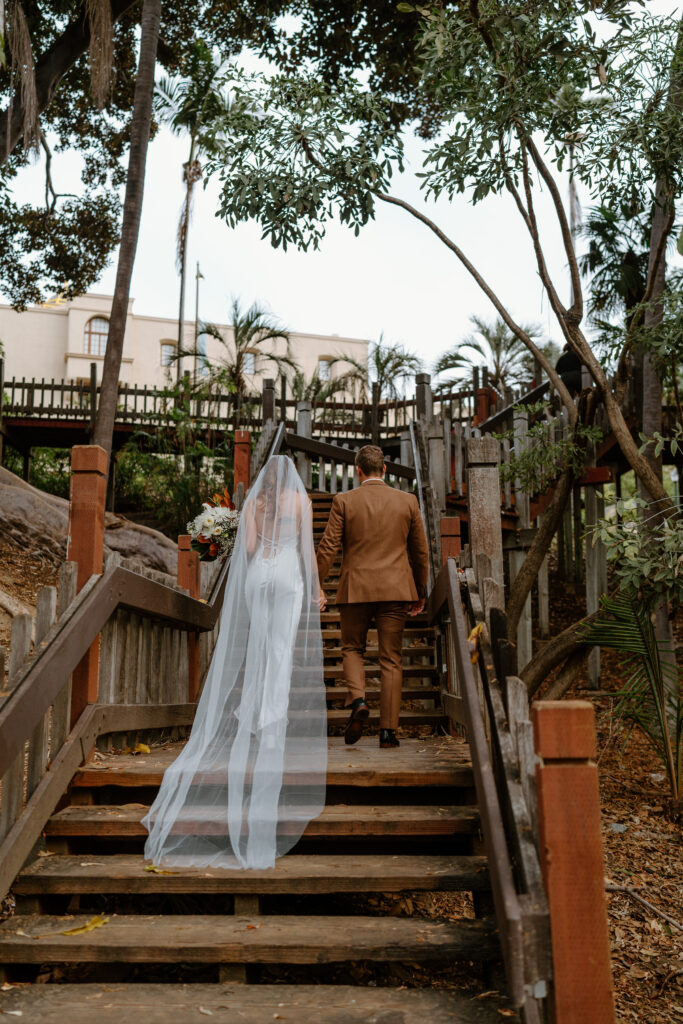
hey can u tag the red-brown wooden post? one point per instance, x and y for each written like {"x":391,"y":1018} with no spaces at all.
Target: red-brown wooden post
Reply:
{"x":85,"y":546}
{"x":572,"y":861}
{"x":242,"y":459}
{"x":483,"y":404}
{"x":189,"y":577}
{"x":450,"y":538}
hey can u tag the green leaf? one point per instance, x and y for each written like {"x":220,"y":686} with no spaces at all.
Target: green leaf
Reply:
{"x":679,"y":243}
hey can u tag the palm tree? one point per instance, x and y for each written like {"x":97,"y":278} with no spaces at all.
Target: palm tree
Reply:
{"x":617,"y":261}
{"x":132,"y":209}
{"x":493,"y":344}
{"x":252,"y":330}
{"x":317,"y":389}
{"x":188,"y":105}
{"x":388,"y":365}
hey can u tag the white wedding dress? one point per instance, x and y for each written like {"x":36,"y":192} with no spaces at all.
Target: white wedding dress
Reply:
{"x":252,"y":775}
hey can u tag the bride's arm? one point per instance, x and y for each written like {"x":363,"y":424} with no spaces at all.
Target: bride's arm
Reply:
{"x":250,"y":531}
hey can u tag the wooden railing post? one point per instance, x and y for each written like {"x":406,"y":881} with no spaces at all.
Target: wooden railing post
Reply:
{"x":374,"y":414}
{"x":268,"y":401}
{"x":483,"y":502}
{"x":85,"y":546}
{"x":304,"y":427}
{"x":242,"y":460}
{"x":483,"y":404}
{"x":93,"y":398}
{"x":189,"y":577}
{"x":450,"y":538}
{"x":424,"y":407}
{"x":572,"y":861}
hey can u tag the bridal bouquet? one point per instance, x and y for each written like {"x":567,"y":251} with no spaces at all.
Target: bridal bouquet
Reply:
{"x":214,"y":530}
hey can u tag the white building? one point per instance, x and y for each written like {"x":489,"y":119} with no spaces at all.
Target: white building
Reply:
{"x":60,"y":339}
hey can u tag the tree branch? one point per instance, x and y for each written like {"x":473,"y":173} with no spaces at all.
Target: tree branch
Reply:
{"x":518,"y":331}
{"x":555,"y":651}
{"x":50,"y":69}
{"x":575,"y":313}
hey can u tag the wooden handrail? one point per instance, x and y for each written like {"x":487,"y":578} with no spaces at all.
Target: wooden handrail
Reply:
{"x":499,"y":418}
{"x":73,"y":633}
{"x":446,"y":595}
{"x":298,"y":443}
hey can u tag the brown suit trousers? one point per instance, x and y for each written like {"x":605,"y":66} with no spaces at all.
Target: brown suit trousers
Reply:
{"x":390,"y":618}
{"x":384,"y":568}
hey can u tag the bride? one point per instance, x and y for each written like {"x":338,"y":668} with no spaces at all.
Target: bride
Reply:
{"x":252,"y":774}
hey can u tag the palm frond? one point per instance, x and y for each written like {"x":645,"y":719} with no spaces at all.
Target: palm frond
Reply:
{"x":651,"y":696}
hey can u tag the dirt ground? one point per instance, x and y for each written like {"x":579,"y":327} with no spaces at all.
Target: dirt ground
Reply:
{"x":23,"y":571}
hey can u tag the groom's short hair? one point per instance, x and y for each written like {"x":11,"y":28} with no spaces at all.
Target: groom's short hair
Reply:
{"x":370,"y":459}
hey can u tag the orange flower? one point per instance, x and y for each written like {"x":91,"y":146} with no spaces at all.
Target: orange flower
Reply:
{"x":213,"y":549}
{"x":202,"y":539}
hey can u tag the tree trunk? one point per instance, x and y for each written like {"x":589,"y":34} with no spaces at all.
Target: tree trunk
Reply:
{"x":183,"y":228}
{"x":132,"y":210}
{"x":559,"y":649}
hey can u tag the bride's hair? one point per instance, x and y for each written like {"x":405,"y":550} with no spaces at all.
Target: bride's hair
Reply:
{"x":273,"y":476}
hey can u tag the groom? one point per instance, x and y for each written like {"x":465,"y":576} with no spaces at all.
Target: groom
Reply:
{"x":383,"y":577}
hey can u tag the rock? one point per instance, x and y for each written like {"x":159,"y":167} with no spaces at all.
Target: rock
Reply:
{"x":40,"y":520}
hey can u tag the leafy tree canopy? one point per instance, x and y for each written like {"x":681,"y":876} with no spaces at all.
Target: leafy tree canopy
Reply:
{"x":63,"y":244}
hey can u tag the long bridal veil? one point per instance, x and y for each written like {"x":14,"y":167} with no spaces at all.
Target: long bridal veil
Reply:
{"x":252,"y":774}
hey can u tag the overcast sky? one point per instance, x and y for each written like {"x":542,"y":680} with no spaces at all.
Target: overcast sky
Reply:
{"x":395,"y":277}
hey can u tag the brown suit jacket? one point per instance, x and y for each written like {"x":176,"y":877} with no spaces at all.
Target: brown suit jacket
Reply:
{"x":384,"y":549}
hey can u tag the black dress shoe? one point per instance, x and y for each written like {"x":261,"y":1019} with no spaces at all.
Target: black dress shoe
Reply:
{"x":360,"y":713}
{"x":388,"y":738}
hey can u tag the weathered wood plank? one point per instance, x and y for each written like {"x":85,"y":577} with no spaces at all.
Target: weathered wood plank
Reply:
{"x":442,"y":762}
{"x":222,"y":939}
{"x":292,"y":874}
{"x":335,"y":820}
{"x":61,"y":708}
{"x":46,"y":609}
{"x":250,"y":1004}
{"x":13,"y":779}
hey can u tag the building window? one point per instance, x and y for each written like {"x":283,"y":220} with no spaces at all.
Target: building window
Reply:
{"x":95,"y":336}
{"x":249,"y":362}
{"x":202,"y":363}
{"x":324,"y":369}
{"x":167,"y":353}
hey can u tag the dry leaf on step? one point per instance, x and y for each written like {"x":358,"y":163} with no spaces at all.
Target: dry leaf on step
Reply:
{"x":95,"y":922}
{"x":158,"y":871}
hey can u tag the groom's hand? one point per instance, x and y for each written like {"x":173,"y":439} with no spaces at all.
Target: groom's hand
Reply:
{"x":323,"y":600}
{"x":415,"y":607}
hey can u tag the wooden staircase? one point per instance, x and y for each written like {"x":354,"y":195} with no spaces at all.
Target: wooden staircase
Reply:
{"x":324,"y":936}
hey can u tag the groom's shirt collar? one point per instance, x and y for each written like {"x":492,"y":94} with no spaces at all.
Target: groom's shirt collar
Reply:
{"x":373,"y":480}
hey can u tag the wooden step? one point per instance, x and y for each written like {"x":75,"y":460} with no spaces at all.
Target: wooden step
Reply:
{"x":336,"y":821}
{"x":406,"y":719}
{"x":218,"y":939}
{"x":373,"y":671}
{"x":433,"y":761}
{"x":372,"y":651}
{"x":424,"y":635}
{"x":126,"y":873}
{"x":372,"y":693}
{"x":248,"y":1004}
{"x":412,"y":622}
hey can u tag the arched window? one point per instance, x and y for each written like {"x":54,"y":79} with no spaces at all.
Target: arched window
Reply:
{"x":167,"y":353}
{"x":324,"y":368}
{"x":249,"y":362}
{"x":95,"y":336}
